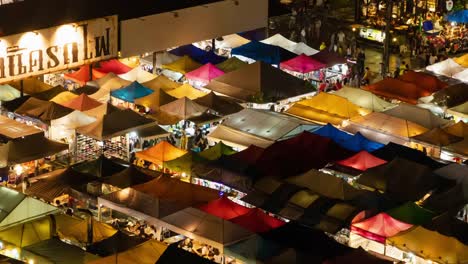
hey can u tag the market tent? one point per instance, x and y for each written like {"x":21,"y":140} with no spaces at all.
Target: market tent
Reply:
{"x":451,"y":200}
{"x":220,"y":104}
{"x":56,"y":251}
{"x":28,"y":233}
{"x":259,"y":80}
{"x":364,"y":99}
{"x":378,"y":227}
{"x":65,"y":126}
{"x":50,"y":93}
{"x":459,"y":129}
{"x":384,"y":128}
{"x":302,"y":48}
{"x":134,"y":203}
{"x":82,"y":103}
{"x":161,"y":82}
{"x":451,"y":96}
{"x":8,"y":93}
{"x":100,"y":167}
{"x":186,"y":90}
{"x":358,"y":142}
{"x":358,"y":256}
{"x":87,"y":89}
{"x":183,"y":108}
{"x":257,"y":221}
{"x":397,"y":89}
{"x":362,"y":161}
{"x":42,"y":110}
{"x":326,"y":108}
{"x":12,"y":129}
{"x":146,"y":253}
{"x":111,"y":82}
{"x":58,"y":183}
{"x":431,"y":245}
{"x":302,"y":64}
{"x":184,"y":163}
{"x":266,"y":53}
{"x":460,"y":111}
{"x":32,"y":148}
{"x":174,"y":254}
{"x":237,"y":138}
{"x":224,"y":208}
{"x":114,"y":124}
{"x":334,"y":133}
{"x":425,"y":81}
{"x":329,"y":58}
{"x":155,"y":100}
{"x":137,"y":74}
{"x":16,"y":208}
{"x":454,"y":171}
{"x":78,"y":231}
{"x":183,"y":65}
{"x":15,"y":103}
{"x":80,"y":76}
{"x":31,"y":85}
{"x":129,"y":177}
{"x":401,"y":179}
{"x":420,"y":116}
{"x":412,"y":213}
{"x":447,"y":68}
{"x":131,"y":92}
{"x":100,"y":111}
{"x":437,"y":137}
{"x":217,"y":151}
{"x":204,"y":74}
{"x":449,"y":225}
{"x":231,"y":64}
{"x":462,"y":76}
{"x":115,"y":244}
{"x":246,"y":157}
{"x":197,"y":54}
{"x":393,"y":150}
{"x":160,"y":153}
{"x":462,"y":60}
{"x":206,"y":228}
{"x":161,"y":59}
{"x":110,"y":66}
{"x":63,"y":97}
{"x":280,"y":41}
{"x":459,"y":16}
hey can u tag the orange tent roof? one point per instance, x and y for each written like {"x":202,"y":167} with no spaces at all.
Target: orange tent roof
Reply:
{"x":161,"y":153}
{"x":398,"y":89}
{"x":82,"y":103}
{"x":80,"y":76}
{"x":423,"y":80}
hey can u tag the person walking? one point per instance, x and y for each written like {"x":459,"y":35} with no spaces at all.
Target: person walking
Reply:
{"x":332,"y":42}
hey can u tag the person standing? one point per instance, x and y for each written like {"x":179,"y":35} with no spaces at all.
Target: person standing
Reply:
{"x":361,"y":58}
{"x":318,"y":24}
{"x":332,"y":42}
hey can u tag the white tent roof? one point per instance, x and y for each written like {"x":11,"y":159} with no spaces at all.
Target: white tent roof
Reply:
{"x":175,"y":76}
{"x":231,"y":41}
{"x":364,"y":99}
{"x":420,"y":116}
{"x":459,"y":110}
{"x":16,"y":207}
{"x":161,"y":58}
{"x":66,"y":125}
{"x":280,"y":41}
{"x":447,"y":68}
{"x":237,"y":139}
{"x":8,"y":93}
{"x":302,"y":48}
{"x":138,"y":74}
{"x":462,"y":76}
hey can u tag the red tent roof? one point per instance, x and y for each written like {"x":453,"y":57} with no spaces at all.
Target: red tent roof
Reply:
{"x":362,"y":161}
{"x":205,"y":73}
{"x":397,"y":89}
{"x":225,"y":208}
{"x":378,"y":227}
{"x":423,"y":80}
{"x":257,"y":221}
{"x":82,"y":103}
{"x":80,"y":76}
{"x":248,"y":156}
{"x":302,"y":64}
{"x":114,"y":66}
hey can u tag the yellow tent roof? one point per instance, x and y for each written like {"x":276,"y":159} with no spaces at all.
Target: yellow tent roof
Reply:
{"x":186,"y":90}
{"x":31,"y":85}
{"x":327,"y":108}
{"x":8,"y":93}
{"x":431,"y":245}
{"x":145,"y":253}
{"x":64,"y":97}
{"x":161,"y":82}
{"x":182,"y":65}
{"x":76,"y":230}
{"x":462,"y":60}
{"x":161,"y":153}
{"x":131,"y":62}
{"x":28,"y":233}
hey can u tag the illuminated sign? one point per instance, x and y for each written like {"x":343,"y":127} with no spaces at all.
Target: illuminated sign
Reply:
{"x":58,"y":48}
{"x":372,"y":34}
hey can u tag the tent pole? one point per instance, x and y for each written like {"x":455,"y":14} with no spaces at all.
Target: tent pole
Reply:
{"x":213,"y":45}
{"x":91,"y":72}
{"x":154,"y":62}
{"x":21,"y":88}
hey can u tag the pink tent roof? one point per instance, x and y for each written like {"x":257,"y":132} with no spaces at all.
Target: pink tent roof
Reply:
{"x":302,"y":64}
{"x":205,"y":73}
{"x":378,"y":227}
{"x":257,"y":221}
{"x":225,"y":208}
{"x":80,"y":76}
{"x":114,"y":66}
{"x":362,"y":161}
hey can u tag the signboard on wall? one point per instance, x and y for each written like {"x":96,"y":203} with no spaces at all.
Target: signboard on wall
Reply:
{"x":58,"y":48}
{"x":372,"y":34}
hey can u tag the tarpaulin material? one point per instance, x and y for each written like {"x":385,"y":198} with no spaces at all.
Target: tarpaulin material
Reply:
{"x":217,"y":151}
{"x":186,"y":90}
{"x":138,"y":75}
{"x":204,"y":74}
{"x":161,"y":82}
{"x":334,"y":133}
{"x":110,"y":66}
{"x":362,"y":161}
{"x":100,"y":111}
{"x":82,"y":103}
{"x":129,"y":177}
{"x":77,"y":231}
{"x":460,"y":148}
{"x":248,"y":156}
{"x":423,"y":80}
{"x":31,"y":85}
{"x":364,"y":99}
{"x":50,"y":93}
{"x":197,"y":54}
{"x":263,"y":52}
{"x":8,"y":93}
{"x":358,"y":142}
{"x":65,"y":126}
{"x":12,"y":129}
{"x":302,"y":48}
{"x":302,"y":64}
{"x":231,"y":64}
{"x":397,"y":89}
{"x":460,"y":129}
{"x":329,"y":58}
{"x":447,"y":68}
{"x":117,"y":243}
{"x":87,"y":89}
{"x":111,"y":82}
{"x":460,"y":111}
{"x":54,"y":250}
{"x":393,"y":150}
{"x":15,"y":103}
{"x":412,"y":213}
{"x":220,"y":104}
{"x":183,"y":108}
{"x":260,"y":80}
{"x":131,"y":92}
{"x":449,"y":225}
{"x":379,"y":227}
{"x":42,"y":110}
{"x":225,"y":208}
{"x":81,"y":76}
{"x":327,"y":108}
{"x":182,"y":65}
{"x":462,"y":60}
{"x":146,"y":253}
{"x":431,"y":245}
{"x":280,"y":41}
{"x":160,"y":153}
{"x":237,"y":138}
{"x":231,"y":41}
{"x":63,"y":97}
{"x":155,"y":100}
{"x":257,"y":221}
{"x":462,"y":76}
{"x":451,"y":96}
{"x":437,"y":137}
{"x":28,"y":233}
{"x":418,"y":115}
{"x":100,"y":167}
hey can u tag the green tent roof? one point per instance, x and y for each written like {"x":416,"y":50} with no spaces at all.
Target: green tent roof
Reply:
{"x":217,"y":151}
{"x":412,"y":213}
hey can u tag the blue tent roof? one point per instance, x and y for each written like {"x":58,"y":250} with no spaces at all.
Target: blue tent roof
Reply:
{"x":263,"y":52}
{"x":197,"y":54}
{"x":334,"y":133}
{"x":358,"y":142}
{"x":460,"y":16}
{"x":131,"y":92}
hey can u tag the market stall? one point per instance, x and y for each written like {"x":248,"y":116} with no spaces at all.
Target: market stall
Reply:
{"x":231,"y":64}
{"x":417,"y":115}
{"x":138,"y":74}
{"x":160,"y":153}
{"x":31,"y":86}
{"x":186,"y":90}
{"x":220,"y":104}
{"x":259,"y":51}
{"x":447,"y":68}
{"x":111,"y":66}
{"x":302,"y":65}
{"x":197,"y":54}
{"x":203,"y":75}
{"x":8,"y":93}
{"x":280,"y":41}
{"x":80,"y":76}
{"x":397,"y":89}
{"x":107,"y":84}
{"x":64,"y":129}
{"x":127,"y":95}
{"x":364,"y":99}
{"x":183,"y":65}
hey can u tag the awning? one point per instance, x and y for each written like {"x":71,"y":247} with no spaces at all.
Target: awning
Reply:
{"x":362,"y":161}
{"x":225,"y":208}
{"x":31,"y":85}
{"x":425,"y":81}
{"x":183,"y":65}
{"x":447,"y":68}
{"x":302,"y":64}
{"x":231,"y":64}
{"x":412,"y":213}
{"x":220,"y":104}
{"x":266,"y":53}
{"x":397,"y":89}
{"x":183,"y":108}
{"x":378,"y":227}
{"x":280,"y":41}
{"x":197,"y":54}
{"x":329,"y":58}
{"x":257,"y":221}
{"x":131,"y":92}
{"x":186,"y":90}
{"x":80,"y":76}
{"x":110,"y":66}
{"x":420,"y":116}
{"x":50,"y":93}
{"x":137,"y":74}
{"x":364,"y":99}
{"x":32,"y":148}
{"x":129,"y":177}
{"x":82,"y":103}
{"x":204,"y":74}
{"x":160,"y":153}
